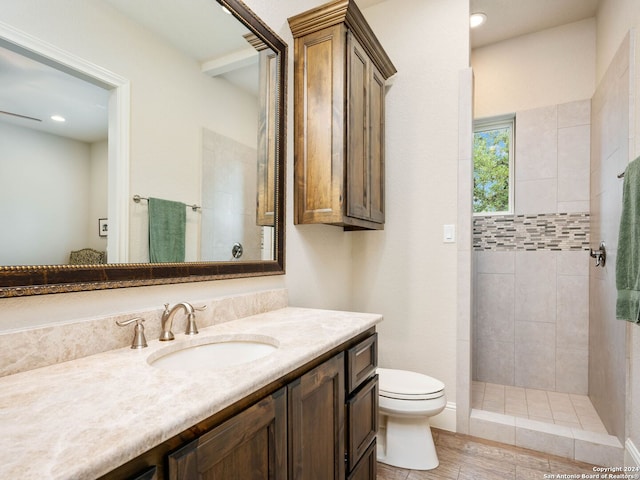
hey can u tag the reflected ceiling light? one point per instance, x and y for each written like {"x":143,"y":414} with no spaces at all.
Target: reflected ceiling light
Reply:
{"x":477,"y":19}
{"x":58,"y":118}
{"x":226,"y":10}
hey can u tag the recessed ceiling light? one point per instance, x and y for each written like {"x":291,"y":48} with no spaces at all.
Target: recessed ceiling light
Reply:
{"x":226,"y":10}
{"x":58,"y":118}
{"x":477,"y":19}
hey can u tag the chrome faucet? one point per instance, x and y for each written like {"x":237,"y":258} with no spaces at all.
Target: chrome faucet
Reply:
{"x":167,"y":320}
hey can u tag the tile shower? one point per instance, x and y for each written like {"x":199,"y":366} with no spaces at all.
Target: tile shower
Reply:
{"x":531,"y":284}
{"x":549,"y":358}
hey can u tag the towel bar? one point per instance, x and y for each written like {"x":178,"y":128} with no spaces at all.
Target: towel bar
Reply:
{"x":137,"y":198}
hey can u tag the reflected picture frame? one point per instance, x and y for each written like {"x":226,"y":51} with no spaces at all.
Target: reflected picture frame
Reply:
{"x":103,"y":227}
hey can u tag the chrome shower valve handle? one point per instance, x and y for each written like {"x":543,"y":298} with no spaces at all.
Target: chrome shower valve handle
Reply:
{"x":600,"y":255}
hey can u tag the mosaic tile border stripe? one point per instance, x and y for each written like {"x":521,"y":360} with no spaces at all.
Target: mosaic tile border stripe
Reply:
{"x":545,"y":231}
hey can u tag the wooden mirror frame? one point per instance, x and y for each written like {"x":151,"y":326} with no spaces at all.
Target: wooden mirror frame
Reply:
{"x":42,"y":279}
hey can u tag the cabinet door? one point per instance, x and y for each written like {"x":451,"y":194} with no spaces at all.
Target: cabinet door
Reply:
{"x":358,"y":164}
{"x":250,"y":446}
{"x":319,"y":125}
{"x":376,"y":145}
{"x":268,"y":68}
{"x":316,"y":423}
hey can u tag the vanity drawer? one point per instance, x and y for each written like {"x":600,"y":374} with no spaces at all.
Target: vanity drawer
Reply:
{"x":366,"y":469}
{"x":362,"y":421}
{"x":362,"y":361}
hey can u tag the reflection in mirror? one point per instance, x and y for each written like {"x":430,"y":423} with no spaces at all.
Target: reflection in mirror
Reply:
{"x":205,"y":127}
{"x":53,"y":132}
{"x":219,"y":57}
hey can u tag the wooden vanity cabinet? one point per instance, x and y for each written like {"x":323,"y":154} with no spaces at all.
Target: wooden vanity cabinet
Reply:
{"x":318,"y":422}
{"x":251,"y":445}
{"x":339,"y":87}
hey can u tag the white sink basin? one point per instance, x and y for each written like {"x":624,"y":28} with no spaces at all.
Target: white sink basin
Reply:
{"x":214,"y":354}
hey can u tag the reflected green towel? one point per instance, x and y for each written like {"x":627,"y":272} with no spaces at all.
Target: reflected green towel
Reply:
{"x":628,"y":257}
{"x":167,"y":223}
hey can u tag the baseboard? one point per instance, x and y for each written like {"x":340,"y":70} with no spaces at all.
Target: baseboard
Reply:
{"x":446,"y":420}
{"x":631,"y":454}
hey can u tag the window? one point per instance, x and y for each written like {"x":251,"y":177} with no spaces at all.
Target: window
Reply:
{"x":493,"y":165}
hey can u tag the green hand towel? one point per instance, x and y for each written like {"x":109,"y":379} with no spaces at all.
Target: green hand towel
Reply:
{"x":167,"y":223}
{"x":628,"y":259}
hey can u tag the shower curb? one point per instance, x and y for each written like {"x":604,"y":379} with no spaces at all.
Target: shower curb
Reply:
{"x":576,"y":444}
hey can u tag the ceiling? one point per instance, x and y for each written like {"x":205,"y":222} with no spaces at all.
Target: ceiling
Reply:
{"x":32,"y":92}
{"x":512,"y":18}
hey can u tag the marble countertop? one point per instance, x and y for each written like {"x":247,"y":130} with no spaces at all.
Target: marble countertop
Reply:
{"x":83,"y":418}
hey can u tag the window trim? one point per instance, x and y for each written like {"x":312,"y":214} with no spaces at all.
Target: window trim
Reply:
{"x":491,"y":123}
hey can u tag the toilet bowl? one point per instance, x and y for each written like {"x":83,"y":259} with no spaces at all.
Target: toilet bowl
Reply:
{"x":407,"y":401}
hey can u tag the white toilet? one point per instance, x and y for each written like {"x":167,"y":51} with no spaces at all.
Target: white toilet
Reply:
{"x":407,"y":401}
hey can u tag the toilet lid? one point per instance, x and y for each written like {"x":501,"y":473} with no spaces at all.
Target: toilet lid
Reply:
{"x":405,"y":385}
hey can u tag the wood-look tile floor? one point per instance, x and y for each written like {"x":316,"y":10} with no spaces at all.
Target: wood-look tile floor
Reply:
{"x":463,"y":457}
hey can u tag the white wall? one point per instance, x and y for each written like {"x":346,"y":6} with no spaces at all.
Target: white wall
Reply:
{"x":405,"y":271}
{"x":44,"y":181}
{"x":98,"y":194}
{"x":550,"y":67}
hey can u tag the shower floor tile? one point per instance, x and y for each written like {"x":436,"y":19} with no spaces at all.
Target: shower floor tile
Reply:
{"x":566,"y":409}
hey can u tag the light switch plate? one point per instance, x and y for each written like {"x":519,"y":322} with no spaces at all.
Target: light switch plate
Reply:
{"x":449,"y":234}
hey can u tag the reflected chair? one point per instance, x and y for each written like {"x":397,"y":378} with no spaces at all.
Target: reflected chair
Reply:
{"x":87,"y":256}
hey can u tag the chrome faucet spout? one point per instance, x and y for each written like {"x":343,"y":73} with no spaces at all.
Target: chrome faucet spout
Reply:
{"x":167,"y":319}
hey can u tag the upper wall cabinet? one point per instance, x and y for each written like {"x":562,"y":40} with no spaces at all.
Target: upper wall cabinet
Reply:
{"x":340,"y":75}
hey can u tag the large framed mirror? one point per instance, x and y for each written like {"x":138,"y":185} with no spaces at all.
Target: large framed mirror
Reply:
{"x":167,"y":107}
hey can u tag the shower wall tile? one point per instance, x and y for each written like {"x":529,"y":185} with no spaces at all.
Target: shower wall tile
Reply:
{"x":496,"y":262}
{"x":494,"y":361}
{"x":535,"y":365}
{"x":573,"y":311}
{"x":536,"y":144}
{"x":495,"y":307}
{"x":546,"y":231}
{"x":534,"y":355}
{"x":538,"y":333}
{"x":574,"y":113}
{"x":572,"y":207}
{"x":535,"y":286}
{"x":573,"y":377}
{"x":574,"y":153}
{"x":573,"y":166}
{"x":536,"y":196}
{"x":574,"y":263}
{"x":611,"y":133}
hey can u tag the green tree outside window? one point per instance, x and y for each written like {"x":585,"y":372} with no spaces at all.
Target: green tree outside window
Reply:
{"x":491,"y":165}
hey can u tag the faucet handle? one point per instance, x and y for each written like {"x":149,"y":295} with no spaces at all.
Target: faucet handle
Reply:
{"x":139,"y":341}
{"x":192,"y":328}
